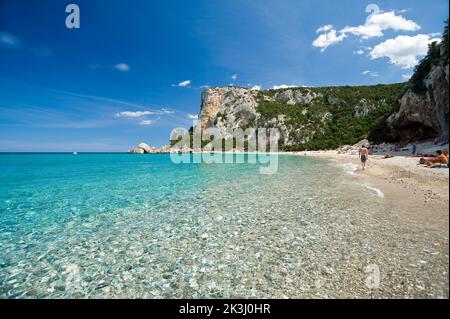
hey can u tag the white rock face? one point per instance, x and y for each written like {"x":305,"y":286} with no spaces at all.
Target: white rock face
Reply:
{"x":364,"y":107}
{"x":164,"y":149}
{"x":145,"y":147}
{"x":229,"y":108}
{"x":425,"y":113}
{"x":292,"y":97}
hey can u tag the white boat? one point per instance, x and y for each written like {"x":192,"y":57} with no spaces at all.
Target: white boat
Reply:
{"x":75,"y":153}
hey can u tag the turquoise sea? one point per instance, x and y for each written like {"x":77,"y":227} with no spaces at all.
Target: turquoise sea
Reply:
{"x":140,"y":226}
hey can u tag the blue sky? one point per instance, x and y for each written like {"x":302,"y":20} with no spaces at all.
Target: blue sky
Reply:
{"x":135,"y":69}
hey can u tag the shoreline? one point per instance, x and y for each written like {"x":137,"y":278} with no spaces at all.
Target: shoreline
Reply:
{"x":409,"y":188}
{"x":419,"y":196}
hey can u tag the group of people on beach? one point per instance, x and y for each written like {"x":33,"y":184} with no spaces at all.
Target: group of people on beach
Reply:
{"x":440,"y":160}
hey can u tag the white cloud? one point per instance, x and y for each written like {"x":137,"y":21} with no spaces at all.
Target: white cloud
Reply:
{"x":9,"y":41}
{"x":184,"y":83}
{"x":165,"y":111}
{"x":327,"y":39}
{"x":403,"y":50}
{"x":389,"y":20}
{"x":123,"y":67}
{"x":359,"y":52}
{"x":377,"y":23}
{"x":256,"y":88}
{"x":146,"y":122}
{"x":234,"y":77}
{"x":134,"y":114}
{"x":374,"y":26}
{"x":435,"y":34}
{"x":364,"y":31}
{"x":324,"y":28}
{"x":283,"y":86}
{"x":406,"y":77}
{"x":370,"y":73}
{"x":193,"y":117}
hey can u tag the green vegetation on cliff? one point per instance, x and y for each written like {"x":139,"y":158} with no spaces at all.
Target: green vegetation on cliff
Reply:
{"x":336,"y":115}
{"x":437,"y":52}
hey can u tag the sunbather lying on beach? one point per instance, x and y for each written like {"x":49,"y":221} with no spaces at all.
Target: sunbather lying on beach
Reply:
{"x":440,"y":159}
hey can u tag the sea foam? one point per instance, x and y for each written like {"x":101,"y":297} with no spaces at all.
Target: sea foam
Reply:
{"x":378,"y":192}
{"x":350,"y":168}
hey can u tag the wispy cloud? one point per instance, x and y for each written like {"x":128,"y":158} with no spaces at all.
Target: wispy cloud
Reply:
{"x":234,"y":77}
{"x":184,"y":83}
{"x":133,"y":114}
{"x":122,"y":67}
{"x":324,"y":28}
{"x":283,"y":86}
{"x":65,"y":109}
{"x":193,"y":117}
{"x":146,"y":122}
{"x":10,"y":41}
{"x":370,"y":73}
{"x":166,"y":111}
{"x":140,"y":114}
{"x":407,"y":76}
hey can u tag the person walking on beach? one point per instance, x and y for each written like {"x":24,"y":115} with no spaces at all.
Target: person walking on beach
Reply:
{"x":414,"y":149}
{"x":363,"y":155}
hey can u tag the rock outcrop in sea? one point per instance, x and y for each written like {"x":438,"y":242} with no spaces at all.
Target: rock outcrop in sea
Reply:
{"x":142,"y":148}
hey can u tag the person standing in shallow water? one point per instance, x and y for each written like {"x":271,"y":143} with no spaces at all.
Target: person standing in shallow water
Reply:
{"x":363,"y":155}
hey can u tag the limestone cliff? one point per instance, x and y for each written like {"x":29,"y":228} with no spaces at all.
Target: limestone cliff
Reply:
{"x":227,"y":107}
{"x":424,"y":115}
{"x":307,"y":118}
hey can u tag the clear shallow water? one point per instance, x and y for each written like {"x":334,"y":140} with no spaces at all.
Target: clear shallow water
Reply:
{"x":118,"y":225}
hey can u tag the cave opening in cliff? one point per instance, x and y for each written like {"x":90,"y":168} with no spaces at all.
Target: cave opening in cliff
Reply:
{"x":417,"y":132}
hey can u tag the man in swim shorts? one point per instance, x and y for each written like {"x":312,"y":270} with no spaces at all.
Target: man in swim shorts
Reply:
{"x":364,"y":156}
